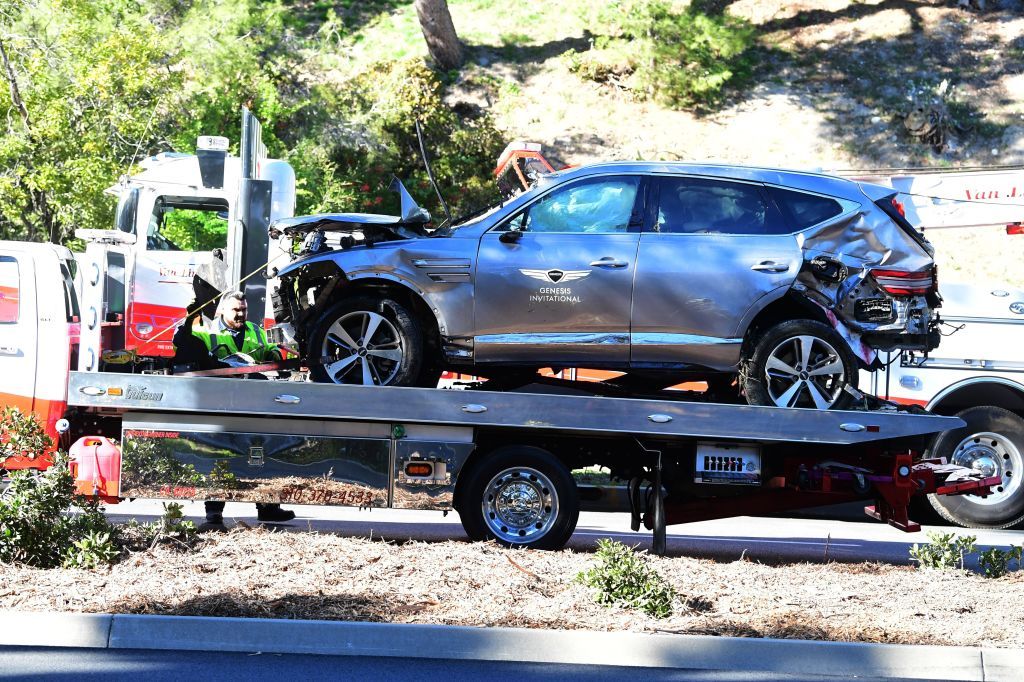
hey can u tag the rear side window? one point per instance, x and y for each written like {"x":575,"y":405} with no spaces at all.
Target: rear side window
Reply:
{"x":701,"y":206}
{"x":803,"y":210}
{"x":9,"y":290}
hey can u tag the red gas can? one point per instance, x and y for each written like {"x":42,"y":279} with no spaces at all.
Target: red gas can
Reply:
{"x":96,"y":467}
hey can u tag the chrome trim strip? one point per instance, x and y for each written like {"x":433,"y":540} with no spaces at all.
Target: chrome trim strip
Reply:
{"x":441,"y":262}
{"x":661,"y":339}
{"x":554,"y":338}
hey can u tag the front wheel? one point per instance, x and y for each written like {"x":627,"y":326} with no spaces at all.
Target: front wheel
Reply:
{"x":520,"y":496}
{"x":800,"y":363}
{"x":368,"y":340}
{"x":992,"y":443}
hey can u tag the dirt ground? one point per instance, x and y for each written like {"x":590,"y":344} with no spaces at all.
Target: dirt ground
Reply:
{"x":257,"y":573}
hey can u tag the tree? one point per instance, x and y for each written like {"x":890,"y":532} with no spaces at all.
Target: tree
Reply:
{"x":439,"y":31}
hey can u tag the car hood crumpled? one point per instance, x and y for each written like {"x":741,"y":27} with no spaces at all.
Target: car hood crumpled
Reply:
{"x":365,"y":223}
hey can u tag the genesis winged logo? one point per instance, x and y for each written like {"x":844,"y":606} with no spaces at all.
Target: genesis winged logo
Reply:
{"x":555,"y":276}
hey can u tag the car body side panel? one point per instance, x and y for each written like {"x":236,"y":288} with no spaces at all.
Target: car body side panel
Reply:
{"x":543,"y":298}
{"x":693,"y":289}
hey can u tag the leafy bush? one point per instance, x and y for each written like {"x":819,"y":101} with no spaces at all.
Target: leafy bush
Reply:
{"x":944,"y":551}
{"x":20,"y":432}
{"x":622,"y":577}
{"x":995,"y":562}
{"x":683,"y":58}
{"x":37,"y":527}
{"x":347,"y":165}
{"x":94,"y":550}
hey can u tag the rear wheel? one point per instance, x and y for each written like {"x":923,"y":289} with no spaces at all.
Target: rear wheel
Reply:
{"x":520,"y":496}
{"x":992,"y":443}
{"x":367,"y":340}
{"x":800,"y":363}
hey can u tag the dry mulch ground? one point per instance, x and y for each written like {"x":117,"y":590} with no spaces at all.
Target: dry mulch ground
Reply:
{"x":257,"y":573}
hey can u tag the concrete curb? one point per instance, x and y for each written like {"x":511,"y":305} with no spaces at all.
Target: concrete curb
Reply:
{"x":509,"y":644}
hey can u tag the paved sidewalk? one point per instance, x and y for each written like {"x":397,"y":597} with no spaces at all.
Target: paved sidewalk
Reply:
{"x":686,"y":652}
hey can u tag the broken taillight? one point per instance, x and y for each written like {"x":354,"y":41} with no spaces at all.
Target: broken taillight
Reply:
{"x":905,"y":282}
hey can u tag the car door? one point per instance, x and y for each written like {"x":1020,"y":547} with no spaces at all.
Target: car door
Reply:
{"x":554,"y":283}
{"x":713,"y":249}
{"x":19,"y":329}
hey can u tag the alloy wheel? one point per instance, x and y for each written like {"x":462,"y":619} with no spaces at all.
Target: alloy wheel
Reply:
{"x":805,"y":371}
{"x":362,"y":347}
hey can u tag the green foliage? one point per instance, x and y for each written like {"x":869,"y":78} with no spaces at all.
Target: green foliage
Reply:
{"x":944,"y":551}
{"x":94,"y":550}
{"x":683,"y":58}
{"x":622,"y":578}
{"x":195,"y":230}
{"x":995,"y":562}
{"x":36,"y":525}
{"x":349,"y":164}
{"x":151,"y":462}
{"x":221,"y":476}
{"x":21,"y":433}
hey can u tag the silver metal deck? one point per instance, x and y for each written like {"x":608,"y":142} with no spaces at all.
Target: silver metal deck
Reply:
{"x":552,"y":413}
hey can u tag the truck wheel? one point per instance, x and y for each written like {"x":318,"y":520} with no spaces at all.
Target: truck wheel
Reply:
{"x":520,"y":496}
{"x":992,"y":443}
{"x":800,"y":363}
{"x":368,"y":340}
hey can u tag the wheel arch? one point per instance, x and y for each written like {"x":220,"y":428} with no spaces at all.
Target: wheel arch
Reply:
{"x":975,"y":391}
{"x":783,"y":307}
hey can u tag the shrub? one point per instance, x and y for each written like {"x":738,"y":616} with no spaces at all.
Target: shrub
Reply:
{"x":995,"y":562}
{"x":622,"y":577}
{"x":682,"y":58}
{"x":944,"y":551}
{"x":94,"y":550}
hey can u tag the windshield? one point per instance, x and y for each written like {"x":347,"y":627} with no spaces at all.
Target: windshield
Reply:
{"x":475,"y":216}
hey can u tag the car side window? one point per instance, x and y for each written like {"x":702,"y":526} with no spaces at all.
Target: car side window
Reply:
{"x":703,"y":206}
{"x":802,"y":210}
{"x":10,"y":288}
{"x":601,"y":205}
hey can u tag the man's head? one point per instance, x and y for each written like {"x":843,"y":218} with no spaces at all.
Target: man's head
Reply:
{"x":233,"y":310}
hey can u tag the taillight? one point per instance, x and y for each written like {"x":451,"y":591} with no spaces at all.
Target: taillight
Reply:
{"x":904,"y":282}
{"x":898,"y":205}
{"x":1015,"y":228}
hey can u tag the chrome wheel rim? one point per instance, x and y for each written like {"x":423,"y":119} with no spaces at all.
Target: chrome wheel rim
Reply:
{"x":362,"y":347}
{"x":991,"y":454}
{"x":805,"y":371}
{"x":520,"y":505}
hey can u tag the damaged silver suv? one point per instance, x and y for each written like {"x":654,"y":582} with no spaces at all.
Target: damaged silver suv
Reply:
{"x":665,"y":271}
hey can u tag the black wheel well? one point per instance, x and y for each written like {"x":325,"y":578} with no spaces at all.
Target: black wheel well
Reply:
{"x":982,"y":392}
{"x":781,"y":310}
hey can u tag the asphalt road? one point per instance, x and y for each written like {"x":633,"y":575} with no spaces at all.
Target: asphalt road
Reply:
{"x":78,"y":665}
{"x":769,"y":540}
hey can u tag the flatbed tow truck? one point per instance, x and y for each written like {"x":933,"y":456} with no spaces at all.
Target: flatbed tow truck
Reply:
{"x":503,"y":460}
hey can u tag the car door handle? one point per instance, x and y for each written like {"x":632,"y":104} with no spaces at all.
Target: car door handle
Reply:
{"x":9,"y":350}
{"x":770,"y":266}
{"x":608,"y":262}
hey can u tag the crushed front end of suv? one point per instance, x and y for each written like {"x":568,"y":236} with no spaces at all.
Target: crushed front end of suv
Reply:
{"x":778,"y":284}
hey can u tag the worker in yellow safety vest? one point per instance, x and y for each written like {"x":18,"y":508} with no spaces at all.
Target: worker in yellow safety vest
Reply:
{"x":233,"y":333}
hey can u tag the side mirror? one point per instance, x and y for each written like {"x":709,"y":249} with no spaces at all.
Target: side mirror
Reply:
{"x":510,"y":237}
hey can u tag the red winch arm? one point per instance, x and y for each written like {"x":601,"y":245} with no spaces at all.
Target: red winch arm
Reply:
{"x":926,"y":477}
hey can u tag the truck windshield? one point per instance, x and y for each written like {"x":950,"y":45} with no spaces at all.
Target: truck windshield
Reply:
{"x":188,"y":224}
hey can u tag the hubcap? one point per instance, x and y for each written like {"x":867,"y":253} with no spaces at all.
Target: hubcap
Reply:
{"x":520,"y":505}
{"x":362,"y":347}
{"x":991,"y":454}
{"x":805,"y":371}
